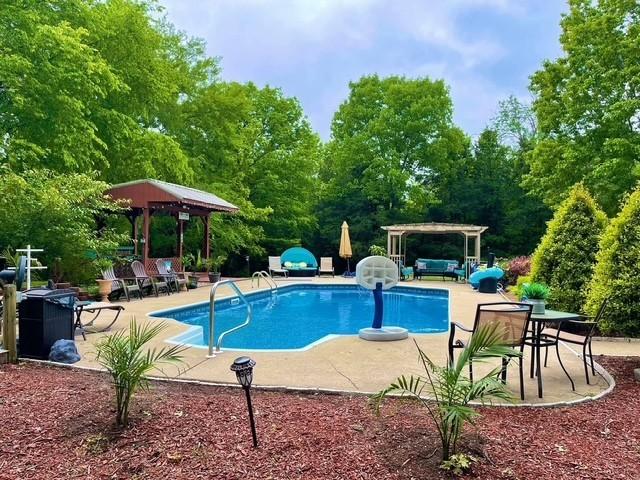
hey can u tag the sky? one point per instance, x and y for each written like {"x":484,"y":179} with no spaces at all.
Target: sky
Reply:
{"x":485,"y":50}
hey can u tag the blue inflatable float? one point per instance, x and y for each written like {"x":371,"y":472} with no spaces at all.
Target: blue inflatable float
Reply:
{"x":493,"y":272}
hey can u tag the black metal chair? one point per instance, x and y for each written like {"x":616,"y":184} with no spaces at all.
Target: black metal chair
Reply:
{"x":576,"y":332}
{"x":512,"y":318}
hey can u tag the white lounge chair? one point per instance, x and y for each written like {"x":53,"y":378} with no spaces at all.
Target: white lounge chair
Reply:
{"x":326,"y":266}
{"x":275,"y":266}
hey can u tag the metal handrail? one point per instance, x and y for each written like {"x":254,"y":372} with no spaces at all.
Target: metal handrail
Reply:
{"x":268,"y":278}
{"x":212,"y":314}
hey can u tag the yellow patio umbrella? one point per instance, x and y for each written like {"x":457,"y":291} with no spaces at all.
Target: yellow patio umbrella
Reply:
{"x":345,"y":246}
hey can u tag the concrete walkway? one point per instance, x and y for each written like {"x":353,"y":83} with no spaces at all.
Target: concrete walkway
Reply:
{"x":348,"y":363}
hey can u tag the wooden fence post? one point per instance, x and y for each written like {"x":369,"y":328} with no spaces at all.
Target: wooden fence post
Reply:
{"x":9,"y":323}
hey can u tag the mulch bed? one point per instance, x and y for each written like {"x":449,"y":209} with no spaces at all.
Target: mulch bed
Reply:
{"x":58,"y":423}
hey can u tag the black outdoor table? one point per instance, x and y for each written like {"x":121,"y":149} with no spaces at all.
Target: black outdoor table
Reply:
{"x":97,"y":308}
{"x":538,"y":340}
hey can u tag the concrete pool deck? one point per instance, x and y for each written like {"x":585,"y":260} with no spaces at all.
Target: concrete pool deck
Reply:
{"x":348,"y":363}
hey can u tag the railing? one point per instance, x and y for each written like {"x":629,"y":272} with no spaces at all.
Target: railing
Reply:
{"x":267,"y":277}
{"x":212,"y":315}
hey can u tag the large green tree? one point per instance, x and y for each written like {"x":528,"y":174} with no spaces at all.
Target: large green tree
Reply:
{"x":587,"y":105}
{"x":392,"y":140}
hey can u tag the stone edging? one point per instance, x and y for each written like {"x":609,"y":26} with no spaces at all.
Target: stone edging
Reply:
{"x":616,"y":339}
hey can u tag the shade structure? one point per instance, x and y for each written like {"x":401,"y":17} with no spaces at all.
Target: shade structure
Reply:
{"x":345,"y":247}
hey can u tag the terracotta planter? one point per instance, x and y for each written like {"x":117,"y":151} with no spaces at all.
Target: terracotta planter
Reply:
{"x":104,"y":288}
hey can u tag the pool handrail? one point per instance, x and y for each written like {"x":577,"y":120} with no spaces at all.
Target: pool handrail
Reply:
{"x":268,"y":278}
{"x":212,"y":314}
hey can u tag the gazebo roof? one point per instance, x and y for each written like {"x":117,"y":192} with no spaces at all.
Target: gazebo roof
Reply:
{"x":149,"y":193}
{"x":435,"y":228}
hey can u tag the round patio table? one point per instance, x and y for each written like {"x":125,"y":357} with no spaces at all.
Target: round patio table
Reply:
{"x":538,"y":340}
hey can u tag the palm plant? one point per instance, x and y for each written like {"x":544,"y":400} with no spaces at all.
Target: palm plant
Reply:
{"x":451,"y":392}
{"x":124,"y":356}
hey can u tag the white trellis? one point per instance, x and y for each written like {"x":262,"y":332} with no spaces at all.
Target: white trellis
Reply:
{"x":30,"y":260}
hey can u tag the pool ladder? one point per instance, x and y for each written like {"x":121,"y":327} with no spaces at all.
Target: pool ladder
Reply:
{"x":273,"y":286}
{"x":212,"y":315}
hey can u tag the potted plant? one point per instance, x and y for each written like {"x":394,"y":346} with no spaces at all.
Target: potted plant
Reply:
{"x":213,"y":267}
{"x":188,"y":266}
{"x":104,"y":286}
{"x":535,"y":294}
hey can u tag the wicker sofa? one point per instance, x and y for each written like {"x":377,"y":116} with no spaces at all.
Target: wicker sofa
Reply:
{"x":428,"y":267}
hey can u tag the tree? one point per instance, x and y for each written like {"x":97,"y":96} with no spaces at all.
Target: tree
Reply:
{"x":392,"y":139}
{"x":587,"y":105}
{"x":565,"y":258}
{"x":616,"y":272}
{"x":57,"y":212}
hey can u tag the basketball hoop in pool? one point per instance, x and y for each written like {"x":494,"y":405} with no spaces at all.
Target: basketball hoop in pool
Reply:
{"x":377,"y":274}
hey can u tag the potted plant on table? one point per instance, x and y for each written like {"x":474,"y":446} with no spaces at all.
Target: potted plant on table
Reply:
{"x":104,"y":286}
{"x":535,"y":294}
{"x":213,"y":267}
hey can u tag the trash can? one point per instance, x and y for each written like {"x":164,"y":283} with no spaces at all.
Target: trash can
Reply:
{"x":488,"y":285}
{"x":44,"y":317}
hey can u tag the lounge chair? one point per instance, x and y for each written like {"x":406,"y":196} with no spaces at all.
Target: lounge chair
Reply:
{"x":95,"y":308}
{"x":326,"y":266}
{"x":169,"y":276}
{"x":513,"y":319}
{"x":121,"y":285}
{"x":144,"y":280}
{"x":276,"y":267}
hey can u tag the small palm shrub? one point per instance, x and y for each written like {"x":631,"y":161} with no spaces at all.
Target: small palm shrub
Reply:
{"x":378,"y":250}
{"x":616,"y":273}
{"x":566,"y":255}
{"x":124,"y":356}
{"x":450,"y":391}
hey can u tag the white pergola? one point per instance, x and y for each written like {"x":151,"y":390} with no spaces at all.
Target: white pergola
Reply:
{"x":397,"y":238}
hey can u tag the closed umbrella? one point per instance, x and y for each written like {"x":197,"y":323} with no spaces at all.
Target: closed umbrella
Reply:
{"x":345,"y":247}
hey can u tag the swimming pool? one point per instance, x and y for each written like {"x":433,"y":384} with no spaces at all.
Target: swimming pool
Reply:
{"x":301,"y":316}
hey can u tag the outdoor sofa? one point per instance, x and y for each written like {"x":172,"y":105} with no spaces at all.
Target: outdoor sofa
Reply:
{"x":440,"y":268}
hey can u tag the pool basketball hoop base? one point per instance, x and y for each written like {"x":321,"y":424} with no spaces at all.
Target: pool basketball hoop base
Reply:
{"x":378,"y":274}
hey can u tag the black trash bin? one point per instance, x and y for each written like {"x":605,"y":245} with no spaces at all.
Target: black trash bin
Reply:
{"x":45,"y":316}
{"x":488,"y":285}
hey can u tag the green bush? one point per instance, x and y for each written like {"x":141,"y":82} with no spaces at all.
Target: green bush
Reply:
{"x":566,"y":255}
{"x":616,"y":273}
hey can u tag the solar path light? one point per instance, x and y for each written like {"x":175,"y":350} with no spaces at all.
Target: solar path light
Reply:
{"x":243,"y":366}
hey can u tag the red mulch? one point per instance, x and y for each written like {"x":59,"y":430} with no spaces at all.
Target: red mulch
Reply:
{"x":58,"y":423}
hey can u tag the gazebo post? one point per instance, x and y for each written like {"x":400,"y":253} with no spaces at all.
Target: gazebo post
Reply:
{"x":180,"y":231}
{"x":135,"y":233}
{"x":207,"y":231}
{"x":146,"y":219}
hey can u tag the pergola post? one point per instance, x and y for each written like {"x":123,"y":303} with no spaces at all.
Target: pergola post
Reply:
{"x":478,"y":247}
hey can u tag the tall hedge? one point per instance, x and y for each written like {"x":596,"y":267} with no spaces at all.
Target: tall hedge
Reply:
{"x":566,"y":255}
{"x":617,"y":272}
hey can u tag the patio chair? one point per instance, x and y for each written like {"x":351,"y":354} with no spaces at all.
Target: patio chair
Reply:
{"x":326,"y":266}
{"x":513,"y":319}
{"x":172,"y":278}
{"x":121,"y":285}
{"x":275,"y":266}
{"x":144,"y":280}
{"x":576,"y":332}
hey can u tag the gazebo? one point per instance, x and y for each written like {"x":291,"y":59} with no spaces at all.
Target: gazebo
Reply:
{"x":148,"y":196}
{"x":397,"y":238}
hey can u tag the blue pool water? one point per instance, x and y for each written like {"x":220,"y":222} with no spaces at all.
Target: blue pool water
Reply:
{"x":301,"y":315}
